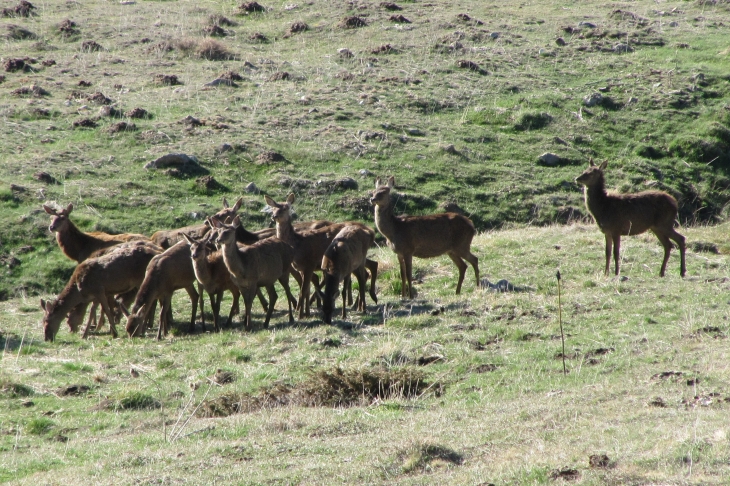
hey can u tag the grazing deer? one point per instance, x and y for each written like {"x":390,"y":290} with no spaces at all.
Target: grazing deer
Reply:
{"x":166,"y":273}
{"x":258,"y":265}
{"x":630,"y":214}
{"x":423,"y":237}
{"x":212,"y":273}
{"x":117,"y":272}
{"x":345,"y":255}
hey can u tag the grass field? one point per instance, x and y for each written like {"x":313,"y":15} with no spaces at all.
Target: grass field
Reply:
{"x":457,"y":100}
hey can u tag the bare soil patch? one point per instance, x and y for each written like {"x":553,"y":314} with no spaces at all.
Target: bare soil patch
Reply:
{"x":251,"y":7}
{"x":22,"y":9}
{"x":353,"y":22}
{"x":122,"y":127}
{"x":167,"y":79}
{"x":91,"y":46}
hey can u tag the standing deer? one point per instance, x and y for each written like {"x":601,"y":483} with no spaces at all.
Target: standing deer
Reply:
{"x":258,"y":265}
{"x":345,"y":255}
{"x":117,"y":272}
{"x":630,"y":214}
{"x":423,"y":237}
{"x":212,"y":273}
{"x":167,"y":238}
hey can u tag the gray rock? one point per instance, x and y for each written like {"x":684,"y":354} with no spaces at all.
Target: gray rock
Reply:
{"x":593,"y":99}
{"x":494,"y":35}
{"x":223,"y":148}
{"x":587,"y":25}
{"x":222,"y":82}
{"x":251,"y":188}
{"x":415,"y":132}
{"x":181,"y":162}
{"x":546,"y":53}
{"x":560,"y":41}
{"x":673,"y":23}
{"x":622,"y":48}
{"x":503,"y":286}
{"x":549,"y":159}
{"x":345,"y":53}
{"x":365,"y":173}
{"x":450,"y":149}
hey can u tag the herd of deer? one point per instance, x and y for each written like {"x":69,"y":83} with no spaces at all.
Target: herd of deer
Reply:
{"x":119,"y":271}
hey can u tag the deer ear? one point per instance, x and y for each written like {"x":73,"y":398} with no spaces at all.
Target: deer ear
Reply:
{"x":603,"y":165}
{"x":124,"y":309}
{"x":391,"y":182}
{"x":69,"y":208}
{"x":590,"y":162}
{"x":290,"y":198}
{"x":270,"y":201}
{"x":378,"y":182}
{"x":188,"y":239}
{"x":43,"y":304}
{"x":237,"y":206}
{"x":225,"y":203}
{"x":49,"y":210}
{"x":236,"y":222}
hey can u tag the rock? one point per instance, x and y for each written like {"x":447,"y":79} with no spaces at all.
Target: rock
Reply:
{"x":549,"y":159}
{"x":122,"y":127}
{"x":450,"y":149}
{"x":598,"y":461}
{"x":223,"y":148}
{"x":344,"y":184}
{"x":269,"y":158}
{"x":415,"y":132}
{"x":137,"y":113}
{"x":191,"y":122}
{"x":546,"y":53}
{"x":365,"y":173}
{"x":208,"y":183}
{"x":633,"y":100}
{"x":108,"y":110}
{"x":222,"y":82}
{"x":344,"y":52}
{"x":45,"y":177}
{"x":622,"y":48}
{"x":673,"y":23}
{"x":251,"y":188}
{"x":587,"y":25}
{"x":494,"y":35}
{"x":560,"y":41}
{"x":593,"y":99}
{"x":353,"y":22}
{"x":184,"y":164}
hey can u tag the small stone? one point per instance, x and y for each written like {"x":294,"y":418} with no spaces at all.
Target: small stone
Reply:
{"x":450,"y":149}
{"x":560,"y":41}
{"x":546,"y":53}
{"x":365,"y":172}
{"x":221,"y":82}
{"x":588,"y":25}
{"x":549,"y":159}
{"x":494,"y":35}
{"x":593,"y":99}
{"x":415,"y":132}
{"x":345,"y":53}
{"x":251,"y":188}
{"x":223,"y":148}
{"x":673,"y":24}
{"x":622,"y":48}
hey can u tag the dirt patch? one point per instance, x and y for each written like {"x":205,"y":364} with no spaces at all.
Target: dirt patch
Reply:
{"x":270,"y":157}
{"x":98,"y":98}
{"x":599,"y":461}
{"x":486,"y":368}
{"x":133,"y":401}
{"x":384,"y":49}
{"x":138,"y":113}
{"x":122,"y":127}
{"x":91,"y":46}
{"x":280,"y":76}
{"x":167,"y":79}
{"x":657,"y":402}
{"x":191,"y":122}
{"x":468,"y":18}
{"x":335,"y":388}
{"x":84,"y":84}
{"x":390,"y":6}
{"x":352,"y":22}
{"x":33,"y":90}
{"x":566,"y":474}
{"x":16,"y":32}
{"x":84,"y":123}
{"x":221,"y":20}
{"x":470,"y":65}
{"x":430,"y":359}
{"x":258,"y":37}
{"x":72,"y":390}
{"x":45,"y":178}
{"x":251,"y":7}
{"x":357,"y":205}
{"x":212,"y":50}
{"x":15,"y":390}
{"x":22,"y":9}
{"x":231,"y":76}
{"x":68,"y":28}
{"x":48,"y":62}
{"x":599,"y":352}
{"x":666,"y":375}
{"x":221,"y":377}
{"x":15,"y":65}
{"x":214,"y":31}
{"x":399,"y":19}
{"x":109,"y":111}
{"x":296,"y":28}
{"x":425,"y":457}
{"x":208,"y":183}
{"x":704,"y":246}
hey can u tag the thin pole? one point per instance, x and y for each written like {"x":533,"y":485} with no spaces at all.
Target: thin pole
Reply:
{"x":560,"y":319}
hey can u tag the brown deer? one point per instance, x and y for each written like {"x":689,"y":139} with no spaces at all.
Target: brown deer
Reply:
{"x":258,"y":265}
{"x":166,"y":273}
{"x":78,"y":245}
{"x":630,"y":214}
{"x":423,"y":237}
{"x":212,"y":273}
{"x":117,"y":272}
{"x":345,"y":255}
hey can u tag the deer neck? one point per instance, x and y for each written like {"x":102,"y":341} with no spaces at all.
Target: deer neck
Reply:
{"x":73,"y":242}
{"x":285,"y":232}
{"x":385,"y":220}
{"x":596,"y":196}
{"x":67,"y":300}
{"x":201,"y":266}
{"x":232,"y":257}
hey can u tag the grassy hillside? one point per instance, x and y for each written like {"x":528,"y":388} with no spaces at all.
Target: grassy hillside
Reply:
{"x":457,"y":99}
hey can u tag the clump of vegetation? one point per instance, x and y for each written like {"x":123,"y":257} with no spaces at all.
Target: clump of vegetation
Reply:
{"x":427,"y":457}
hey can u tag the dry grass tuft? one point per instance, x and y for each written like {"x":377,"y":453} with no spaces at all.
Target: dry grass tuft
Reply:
{"x":16,"y":32}
{"x":212,"y":50}
{"x":426,"y":457}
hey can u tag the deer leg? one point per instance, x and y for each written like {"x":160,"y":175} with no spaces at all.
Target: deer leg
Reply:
{"x":202,"y":305}
{"x":284,"y":281}
{"x":609,"y":247}
{"x":664,"y":240}
{"x":304,"y":296}
{"x":234,"y":308}
{"x":362,"y":276}
{"x":262,"y":299}
{"x":474,"y":261}
{"x":616,"y":251}
{"x":107,"y":310}
{"x":164,"y":317}
{"x":150,"y":319}
{"x":680,"y":240}
{"x":194,"y":296}
{"x":345,"y":285}
{"x":215,"y":304}
{"x":372,"y":265}
{"x":462,"y":270}
{"x":403,"y":278}
{"x":92,"y":313}
{"x":248,"y":295}
{"x":272,"y":300}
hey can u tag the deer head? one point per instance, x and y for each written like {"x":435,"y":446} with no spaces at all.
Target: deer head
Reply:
{"x":58,"y":218}
{"x":280,"y":212}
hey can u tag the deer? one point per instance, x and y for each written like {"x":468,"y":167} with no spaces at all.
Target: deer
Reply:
{"x":212,"y":273}
{"x":309,"y":247}
{"x":166,"y":273}
{"x":258,"y":265}
{"x":117,"y":272}
{"x":423,"y":237}
{"x":630,"y":214}
{"x":344,"y":256}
